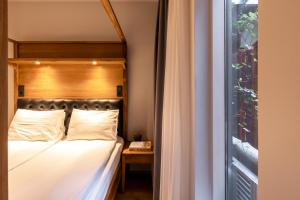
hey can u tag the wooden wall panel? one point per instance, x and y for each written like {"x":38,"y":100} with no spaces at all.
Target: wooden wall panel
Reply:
{"x":3,"y":101}
{"x":71,"y":50}
{"x":70,"y":81}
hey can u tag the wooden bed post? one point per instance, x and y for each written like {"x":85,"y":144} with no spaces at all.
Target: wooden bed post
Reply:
{"x":115,"y":22}
{"x":16,"y":83}
{"x":125,"y":104}
{"x":3,"y":101}
{"x":125,"y":93}
{"x":113,"y":18}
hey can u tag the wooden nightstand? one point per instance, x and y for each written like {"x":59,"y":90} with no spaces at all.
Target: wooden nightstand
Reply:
{"x":135,"y":157}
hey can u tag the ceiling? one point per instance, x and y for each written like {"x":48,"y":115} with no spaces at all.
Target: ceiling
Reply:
{"x":56,"y":20}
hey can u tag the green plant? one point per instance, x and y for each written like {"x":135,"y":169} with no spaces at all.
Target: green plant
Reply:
{"x":245,"y":70}
{"x":246,"y":26}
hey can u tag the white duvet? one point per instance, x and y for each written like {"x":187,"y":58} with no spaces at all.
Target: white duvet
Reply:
{"x":64,"y":171}
{"x":20,"y":152}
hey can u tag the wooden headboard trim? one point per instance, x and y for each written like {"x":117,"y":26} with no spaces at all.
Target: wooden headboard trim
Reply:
{"x":68,"y":61}
{"x":81,"y":49}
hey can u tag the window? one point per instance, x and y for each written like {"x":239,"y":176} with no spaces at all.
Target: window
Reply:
{"x":241,"y":99}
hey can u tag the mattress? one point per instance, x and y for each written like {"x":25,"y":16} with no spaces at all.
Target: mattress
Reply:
{"x":77,"y":169}
{"x":20,"y":152}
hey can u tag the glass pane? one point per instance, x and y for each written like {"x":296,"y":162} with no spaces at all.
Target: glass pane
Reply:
{"x":241,"y":99}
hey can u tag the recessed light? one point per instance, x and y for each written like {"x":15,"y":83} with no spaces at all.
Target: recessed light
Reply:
{"x":94,"y":62}
{"x":37,"y":62}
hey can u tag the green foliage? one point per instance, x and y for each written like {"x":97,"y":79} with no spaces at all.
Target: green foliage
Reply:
{"x":249,"y":95}
{"x":240,"y":66}
{"x":247,"y":25}
{"x":247,"y":22}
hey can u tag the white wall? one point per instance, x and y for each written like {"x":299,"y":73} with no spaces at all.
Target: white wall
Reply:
{"x":87,"y":22}
{"x":138,"y":21}
{"x":279,"y":104}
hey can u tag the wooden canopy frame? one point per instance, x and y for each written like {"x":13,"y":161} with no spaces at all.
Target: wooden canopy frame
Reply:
{"x":69,"y":53}
{"x":113,"y":18}
{"x":3,"y":101}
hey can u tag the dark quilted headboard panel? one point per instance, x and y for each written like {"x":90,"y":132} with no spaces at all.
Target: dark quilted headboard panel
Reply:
{"x":69,"y":104}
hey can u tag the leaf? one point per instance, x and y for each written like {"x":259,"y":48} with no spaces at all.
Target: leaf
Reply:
{"x":237,"y":66}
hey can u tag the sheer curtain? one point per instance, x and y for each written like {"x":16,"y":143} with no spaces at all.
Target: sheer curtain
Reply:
{"x":177,"y":157}
{"x":160,"y":63}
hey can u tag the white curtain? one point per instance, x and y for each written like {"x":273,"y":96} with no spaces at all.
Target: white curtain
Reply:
{"x":177,"y":167}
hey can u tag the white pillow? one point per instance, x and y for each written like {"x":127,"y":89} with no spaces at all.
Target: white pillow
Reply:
{"x":37,"y":125}
{"x":93,"y":125}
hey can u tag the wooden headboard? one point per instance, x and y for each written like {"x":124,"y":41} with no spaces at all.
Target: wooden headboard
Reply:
{"x":69,"y":104}
{"x":61,"y":76}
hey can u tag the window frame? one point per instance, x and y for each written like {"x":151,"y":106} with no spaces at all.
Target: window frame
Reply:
{"x":209,"y":80}
{"x":218,"y":98}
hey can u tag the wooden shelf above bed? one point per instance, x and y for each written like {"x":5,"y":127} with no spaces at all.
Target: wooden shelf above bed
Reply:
{"x":68,"y":61}
{"x":76,"y":97}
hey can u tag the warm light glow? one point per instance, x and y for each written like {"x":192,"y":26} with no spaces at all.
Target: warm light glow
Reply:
{"x":94,"y":62}
{"x":37,"y":62}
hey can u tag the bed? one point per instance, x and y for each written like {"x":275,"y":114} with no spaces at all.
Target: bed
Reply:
{"x":66,"y":169}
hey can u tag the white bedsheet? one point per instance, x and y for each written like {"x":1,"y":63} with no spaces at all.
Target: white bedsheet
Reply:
{"x":67,"y":170}
{"x":100,"y":184}
{"x":20,"y":152}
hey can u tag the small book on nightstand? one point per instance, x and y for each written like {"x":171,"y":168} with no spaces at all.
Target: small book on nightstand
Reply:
{"x":140,"y":146}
